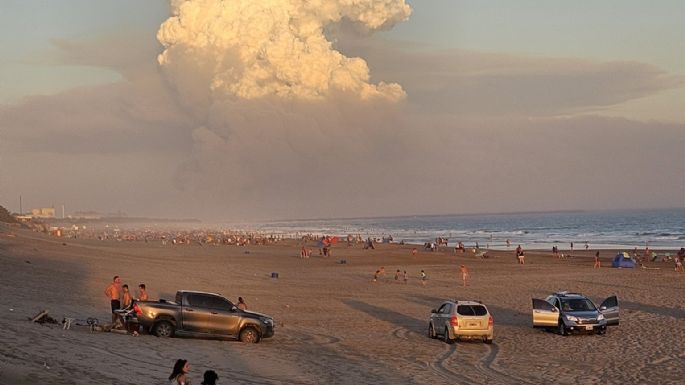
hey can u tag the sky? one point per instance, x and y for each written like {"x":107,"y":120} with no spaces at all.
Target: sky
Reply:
{"x":272,"y":109}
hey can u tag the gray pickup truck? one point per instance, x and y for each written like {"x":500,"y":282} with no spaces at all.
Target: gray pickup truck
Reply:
{"x":199,"y":314}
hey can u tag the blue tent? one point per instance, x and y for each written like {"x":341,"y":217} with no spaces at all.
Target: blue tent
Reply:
{"x":623,"y":260}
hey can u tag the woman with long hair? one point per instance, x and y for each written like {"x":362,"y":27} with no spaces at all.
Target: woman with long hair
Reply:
{"x":178,"y":375}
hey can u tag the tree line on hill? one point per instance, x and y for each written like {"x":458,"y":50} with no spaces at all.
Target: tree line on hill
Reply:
{"x":6,"y":216}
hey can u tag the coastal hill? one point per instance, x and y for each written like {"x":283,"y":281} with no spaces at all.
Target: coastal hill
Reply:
{"x":6,"y":217}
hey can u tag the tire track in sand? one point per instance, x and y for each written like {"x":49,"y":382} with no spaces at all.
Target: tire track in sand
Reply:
{"x":484,"y":367}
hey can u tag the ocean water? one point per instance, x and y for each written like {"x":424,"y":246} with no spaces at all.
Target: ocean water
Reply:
{"x":660,"y":229}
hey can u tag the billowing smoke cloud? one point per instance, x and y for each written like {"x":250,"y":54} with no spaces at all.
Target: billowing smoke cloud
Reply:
{"x":275,"y":105}
{"x":256,"y":48}
{"x":275,"y":122}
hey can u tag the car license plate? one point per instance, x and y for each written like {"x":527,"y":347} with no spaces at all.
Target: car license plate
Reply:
{"x":473,"y":324}
{"x":588,"y":327}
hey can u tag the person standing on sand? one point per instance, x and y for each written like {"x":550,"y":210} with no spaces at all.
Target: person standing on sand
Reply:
{"x":376,"y":275}
{"x":464,"y":275}
{"x":241,"y":304}
{"x":571,"y":246}
{"x":679,"y":260}
{"x":113,"y":292}
{"x":179,"y":373}
{"x":397,"y":275}
{"x":598,"y":263}
{"x":142,"y":293}
{"x":406,"y":277}
{"x":126,"y":298}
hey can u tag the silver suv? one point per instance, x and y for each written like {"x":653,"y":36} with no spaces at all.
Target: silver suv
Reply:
{"x":574,"y":313}
{"x":461,"y":319}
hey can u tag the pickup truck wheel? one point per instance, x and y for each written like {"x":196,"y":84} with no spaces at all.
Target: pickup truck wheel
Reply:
{"x":249,"y":335}
{"x":163,"y":329}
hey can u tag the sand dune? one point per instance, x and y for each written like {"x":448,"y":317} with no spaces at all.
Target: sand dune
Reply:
{"x":334,"y":325}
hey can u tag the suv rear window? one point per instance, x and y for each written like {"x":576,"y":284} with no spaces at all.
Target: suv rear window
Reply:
{"x":473,"y":310}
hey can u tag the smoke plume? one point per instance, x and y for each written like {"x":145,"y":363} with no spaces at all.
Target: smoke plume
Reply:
{"x":255,"y":48}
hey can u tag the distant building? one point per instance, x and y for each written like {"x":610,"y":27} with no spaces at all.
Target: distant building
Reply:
{"x":86,"y":215}
{"x":48,"y":212}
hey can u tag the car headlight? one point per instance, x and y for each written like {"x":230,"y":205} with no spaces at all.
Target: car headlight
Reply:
{"x":267,"y":321}
{"x":600,"y":317}
{"x":572,"y":318}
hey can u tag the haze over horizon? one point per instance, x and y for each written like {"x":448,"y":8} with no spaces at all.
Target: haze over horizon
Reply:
{"x":276,"y":109}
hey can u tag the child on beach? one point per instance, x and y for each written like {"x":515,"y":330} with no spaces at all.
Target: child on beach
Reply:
{"x":423,"y":278}
{"x":678,"y":263}
{"x":413,"y":251}
{"x":241,"y":304}
{"x":142,"y":293}
{"x":464,"y":275}
{"x":397,"y":275}
{"x":406,"y":277}
{"x":126,"y":298}
{"x":598,"y":263}
{"x":209,"y":378}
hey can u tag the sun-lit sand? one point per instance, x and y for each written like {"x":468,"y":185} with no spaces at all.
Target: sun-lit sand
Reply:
{"x":333,"y":324}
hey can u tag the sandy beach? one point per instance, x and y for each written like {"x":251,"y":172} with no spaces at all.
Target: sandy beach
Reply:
{"x":333,"y":324}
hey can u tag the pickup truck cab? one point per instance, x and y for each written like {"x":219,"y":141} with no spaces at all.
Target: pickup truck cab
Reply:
{"x":200,"y":314}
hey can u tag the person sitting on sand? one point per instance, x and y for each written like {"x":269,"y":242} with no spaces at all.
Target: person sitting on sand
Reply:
{"x":113,"y":292}
{"x":376,"y":275}
{"x":241,"y":304}
{"x":397,"y":275}
{"x":142,"y":293}
{"x":209,"y":378}
{"x":423,"y":278}
{"x":179,"y":374}
{"x":520,"y":255}
{"x":126,"y":298}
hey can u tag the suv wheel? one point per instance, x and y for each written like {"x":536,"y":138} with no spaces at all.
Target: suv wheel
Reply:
{"x":249,"y":335}
{"x":561,"y":329}
{"x":431,"y":331}
{"x":448,"y":340}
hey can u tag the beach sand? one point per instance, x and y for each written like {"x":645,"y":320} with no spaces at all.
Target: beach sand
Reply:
{"x":333,"y":324}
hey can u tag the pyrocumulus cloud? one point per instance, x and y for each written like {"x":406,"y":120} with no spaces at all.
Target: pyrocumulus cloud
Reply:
{"x":256,"y":48}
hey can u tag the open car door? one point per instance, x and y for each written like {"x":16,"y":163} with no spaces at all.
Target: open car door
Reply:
{"x":544,"y":314}
{"x":609,"y":308}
